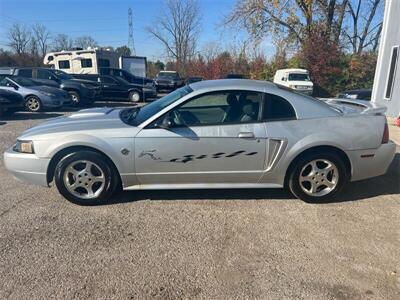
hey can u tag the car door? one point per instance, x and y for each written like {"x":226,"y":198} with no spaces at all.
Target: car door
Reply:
{"x":110,"y":87}
{"x":202,"y":144}
{"x":45,"y":77}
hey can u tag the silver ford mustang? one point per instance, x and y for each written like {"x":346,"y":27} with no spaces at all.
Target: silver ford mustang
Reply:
{"x":212,"y":134}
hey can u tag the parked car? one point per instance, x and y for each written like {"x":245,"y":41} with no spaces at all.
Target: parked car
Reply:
{"x":82,"y":92}
{"x":361,"y":94}
{"x":168,"y":80}
{"x":191,"y":80}
{"x":10,"y":102}
{"x":145,"y":83}
{"x":36,"y":97}
{"x":117,"y":88}
{"x":296,"y":79}
{"x":210,"y":134}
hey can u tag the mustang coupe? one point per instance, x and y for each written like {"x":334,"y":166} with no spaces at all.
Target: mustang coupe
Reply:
{"x":230,"y":133}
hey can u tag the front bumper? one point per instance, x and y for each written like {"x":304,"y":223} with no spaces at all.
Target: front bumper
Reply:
{"x":150,"y":92}
{"x":371,"y":163}
{"x":27,"y":167}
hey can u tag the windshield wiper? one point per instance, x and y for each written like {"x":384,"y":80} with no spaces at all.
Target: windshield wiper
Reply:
{"x":132,"y":114}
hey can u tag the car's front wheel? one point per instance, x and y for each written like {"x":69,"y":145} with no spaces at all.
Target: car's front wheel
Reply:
{"x":33,"y":104}
{"x":86,"y":178}
{"x":318,"y":177}
{"x":75,"y":98}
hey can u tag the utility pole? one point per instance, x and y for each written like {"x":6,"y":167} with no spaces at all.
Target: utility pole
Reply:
{"x":131,"y":44}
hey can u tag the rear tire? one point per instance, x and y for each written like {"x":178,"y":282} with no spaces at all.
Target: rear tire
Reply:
{"x":318,"y":177}
{"x":135,"y":96}
{"x":86,"y":178}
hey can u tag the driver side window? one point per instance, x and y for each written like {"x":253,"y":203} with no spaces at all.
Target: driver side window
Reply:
{"x":218,"y":108}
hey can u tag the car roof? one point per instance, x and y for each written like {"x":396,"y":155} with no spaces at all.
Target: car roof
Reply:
{"x":234,"y":84}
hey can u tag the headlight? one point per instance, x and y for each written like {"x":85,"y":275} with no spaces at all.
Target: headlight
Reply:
{"x":24,"y":147}
{"x":292,"y":86}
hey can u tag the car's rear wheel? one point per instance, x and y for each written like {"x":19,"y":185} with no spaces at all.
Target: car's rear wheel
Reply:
{"x":86,"y":178}
{"x":33,"y":104}
{"x":318,"y":177}
{"x":135,"y":96}
{"x":75,"y":98}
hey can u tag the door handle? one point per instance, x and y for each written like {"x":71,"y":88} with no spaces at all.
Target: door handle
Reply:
{"x":246,"y":135}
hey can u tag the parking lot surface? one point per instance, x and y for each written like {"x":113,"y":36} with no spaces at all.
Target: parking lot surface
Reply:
{"x":198,"y":243}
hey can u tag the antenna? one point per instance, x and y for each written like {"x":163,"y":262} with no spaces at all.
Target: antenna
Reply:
{"x":131,"y":44}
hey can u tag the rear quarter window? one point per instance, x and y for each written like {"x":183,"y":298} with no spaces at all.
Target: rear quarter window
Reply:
{"x":277,"y":108}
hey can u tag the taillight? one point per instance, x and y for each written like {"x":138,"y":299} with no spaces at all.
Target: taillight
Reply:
{"x":385,"y":137}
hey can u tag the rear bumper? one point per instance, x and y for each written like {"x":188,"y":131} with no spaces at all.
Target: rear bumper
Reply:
{"x":372,"y":162}
{"x":27,"y":167}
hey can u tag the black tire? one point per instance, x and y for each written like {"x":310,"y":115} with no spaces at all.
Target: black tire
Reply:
{"x":75,"y":98}
{"x":111,"y":178}
{"x":33,"y":104}
{"x":303,"y":161}
{"x":135,"y":96}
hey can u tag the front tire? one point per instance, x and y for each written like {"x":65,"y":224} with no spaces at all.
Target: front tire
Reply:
{"x":75,"y":98}
{"x":86,"y":178}
{"x":33,"y":104}
{"x":318,"y":177}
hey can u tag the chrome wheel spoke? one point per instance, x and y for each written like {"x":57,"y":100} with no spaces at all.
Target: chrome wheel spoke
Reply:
{"x":318,"y":177}
{"x":84,"y":179}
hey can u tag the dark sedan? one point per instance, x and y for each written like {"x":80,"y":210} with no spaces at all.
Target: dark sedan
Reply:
{"x":10,"y":102}
{"x":117,"y":88}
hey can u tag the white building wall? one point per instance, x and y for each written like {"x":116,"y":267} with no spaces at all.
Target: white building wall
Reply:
{"x":390,"y":38}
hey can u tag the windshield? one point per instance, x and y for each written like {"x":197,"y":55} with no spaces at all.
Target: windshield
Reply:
{"x":62,"y":75}
{"x":24,"y":81}
{"x":136,"y":116}
{"x":299,"y":77}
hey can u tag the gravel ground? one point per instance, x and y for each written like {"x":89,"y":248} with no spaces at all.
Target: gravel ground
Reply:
{"x":198,"y":244}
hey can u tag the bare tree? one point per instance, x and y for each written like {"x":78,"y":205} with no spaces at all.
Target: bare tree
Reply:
{"x":19,"y":37}
{"x":364,"y":32}
{"x":85,"y":42}
{"x":291,"y":21}
{"x":42,"y":38}
{"x":62,"y":42}
{"x":177,"y":29}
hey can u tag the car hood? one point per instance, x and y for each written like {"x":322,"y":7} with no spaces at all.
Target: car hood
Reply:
{"x":97,"y":121}
{"x":48,"y":89}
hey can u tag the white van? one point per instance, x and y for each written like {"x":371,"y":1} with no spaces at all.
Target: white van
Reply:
{"x":295,"y":79}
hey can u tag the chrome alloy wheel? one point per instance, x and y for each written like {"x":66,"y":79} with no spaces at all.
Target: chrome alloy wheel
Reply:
{"x":84,"y":179}
{"x":134,"y":97}
{"x":74,"y":98}
{"x":33,"y":104}
{"x":319,"y":177}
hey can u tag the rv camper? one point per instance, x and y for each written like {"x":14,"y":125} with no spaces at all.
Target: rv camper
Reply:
{"x":82,"y":61}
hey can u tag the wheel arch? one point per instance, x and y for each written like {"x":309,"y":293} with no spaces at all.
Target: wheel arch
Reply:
{"x":69,"y":150}
{"x":318,"y":149}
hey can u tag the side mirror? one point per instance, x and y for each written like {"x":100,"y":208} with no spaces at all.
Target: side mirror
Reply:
{"x":15,"y":87}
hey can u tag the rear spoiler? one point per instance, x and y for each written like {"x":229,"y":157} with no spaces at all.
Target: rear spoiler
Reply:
{"x":364,"y":107}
